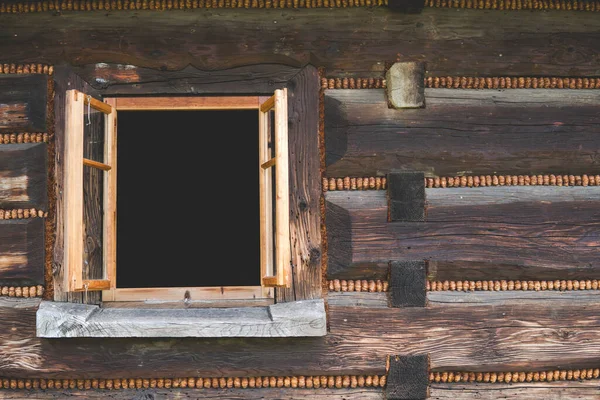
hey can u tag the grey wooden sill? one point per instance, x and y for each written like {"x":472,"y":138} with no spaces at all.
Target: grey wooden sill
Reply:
{"x":70,"y":320}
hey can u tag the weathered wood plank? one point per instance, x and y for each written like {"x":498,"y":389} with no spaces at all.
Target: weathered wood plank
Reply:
{"x":119,"y":79}
{"x":23,"y":103}
{"x":291,"y":319}
{"x":229,"y":394}
{"x":23,"y":176}
{"x":305,"y":187}
{"x":343,"y":40}
{"x":523,"y":391}
{"x":477,"y":337}
{"x":553,"y":242}
{"x":463,"y":131}
{"x":408,"y":377}
{"x":22,"y":252}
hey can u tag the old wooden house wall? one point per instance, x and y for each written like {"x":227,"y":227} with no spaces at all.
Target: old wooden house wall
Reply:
{"x":531,"y":233}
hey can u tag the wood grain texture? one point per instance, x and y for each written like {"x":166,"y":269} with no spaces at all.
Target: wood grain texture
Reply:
{"x":407,"y":284}
{"x":23,"y":103}
{"x":405,"y":83}
{"x":305,"y":187}
{"x":408,"y":378}
{"x":406,"y":196}
{"x":120,"y":79}
{"x":343,"y":40}
{"x":546,"y":242}
{"x":522,"y":391}
{"x":291,"y":319}
{"x":22,"y":252}
{"x":64,"y":79}
{"x":463,"y":131}
{"x":23,"y":174}
{"x":475,"y":337}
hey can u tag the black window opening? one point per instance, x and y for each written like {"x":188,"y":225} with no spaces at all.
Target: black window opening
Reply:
{"x":187,"y":199}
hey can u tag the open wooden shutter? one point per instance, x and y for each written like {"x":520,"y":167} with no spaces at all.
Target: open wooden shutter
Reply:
{"x":89,"y":193}
{"x":275,"y":254}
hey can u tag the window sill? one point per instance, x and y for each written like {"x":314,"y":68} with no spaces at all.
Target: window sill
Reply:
{"x":293,"y":319}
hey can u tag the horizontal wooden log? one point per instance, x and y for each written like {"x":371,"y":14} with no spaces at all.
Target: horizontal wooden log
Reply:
{"x":342,"y":40}
{"x":22,"y":252}
{"x":23,"y":176}
{"x":463,"y":132}
{"x":23,"y":103}
{"x":119,"y":79}
{"x":228,"y":394}
{"x":475,"y":337}
{"x":381,"y":299}
{"x":548,"y":242}
{"x":522,"y":391}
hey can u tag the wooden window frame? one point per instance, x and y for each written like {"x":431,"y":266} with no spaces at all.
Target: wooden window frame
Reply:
{"x":275,"y":264}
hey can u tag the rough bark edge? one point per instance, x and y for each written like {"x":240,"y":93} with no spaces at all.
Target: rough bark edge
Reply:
{"x":50,"y":222}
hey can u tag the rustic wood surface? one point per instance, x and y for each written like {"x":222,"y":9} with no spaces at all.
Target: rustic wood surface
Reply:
{"x":504,"y":336}
{"x":522,"y":391}
{"x":120,"y":79}
{"x":305,"y":187}
{"x":459,"y":41}
{"x":23,"y":103}
{"x":23,"y":169}
{"x":463,"y":132}
{"x":22,"y":252}
{"x":560,"y":237}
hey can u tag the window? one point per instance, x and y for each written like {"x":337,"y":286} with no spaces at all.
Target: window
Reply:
{"x":93,"y":163}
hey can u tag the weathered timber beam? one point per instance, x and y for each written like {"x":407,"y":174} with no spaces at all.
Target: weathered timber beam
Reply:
{"x":406,"y":196}
{"x":120,"y":79}
{"x":511,"y":336}
{"x":407,"y":284}
{"x":23,"y":175}
{"x":463,"y":132}
{"x":523,"y":391}
{"x":22,"y":252}
{"x":405,"y":82}
{"x":408,"y":378}
{"x":466,"y":42}
{"x":23,"y":103}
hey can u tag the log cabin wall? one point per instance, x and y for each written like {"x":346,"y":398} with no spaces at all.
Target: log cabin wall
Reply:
{"x":507,"y":145}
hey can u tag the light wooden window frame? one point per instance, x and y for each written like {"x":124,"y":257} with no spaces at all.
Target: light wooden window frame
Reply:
{"x":275,"y":248}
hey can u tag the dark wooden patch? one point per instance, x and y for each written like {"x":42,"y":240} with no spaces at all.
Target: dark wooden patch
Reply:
{"x":407,"y":6}
{"x":119,"y":79}
{"x":408,"y":378}
{"x":464,"y":132}
{"x":343,"y":41}
{"x":22,"y":252}
{"x":23,"y":103}
{"x":406,"y":196}
{"x":23,"y":172}
{"x":305,"y":186}
{"x":408,"y":284}
{"x":339,"y":248}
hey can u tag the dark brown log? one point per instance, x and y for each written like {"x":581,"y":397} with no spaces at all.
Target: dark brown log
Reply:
{"x":408,"y":378}
{"x":569,"y":390}
{"x":23,"y":168}
{"x":507,"y":336}
{"x":119,"y":79}
{"x":22,"y":252}
{"x":550,"y":242}
{"x":463,"y":132}
{"x":23,"y":103}
{"x":305,"y":186}
{"x":343,"y":40}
